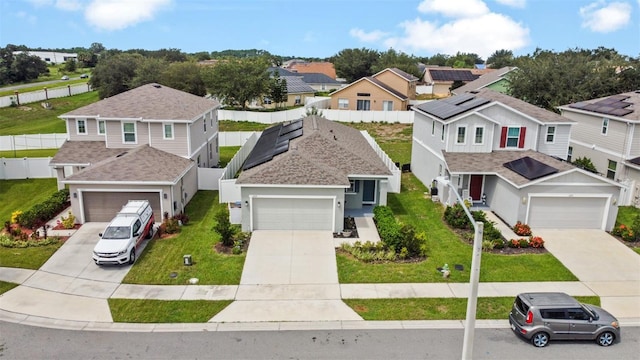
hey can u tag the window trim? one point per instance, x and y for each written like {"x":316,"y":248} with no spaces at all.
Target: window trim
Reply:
{"x":164,"y":131}
{"x":385,"y":103}
{"x":517,"y":138}
{"x":353,"y":188}
{"x":433,"y":127}
{"x":475,"y":135}
{"x":552,"y":134}
{"x":343,"y":103}
{"x":84,"y":125}
{"x":104,"y":127}
{"x":610,"y":170}
{"x":464,"y":134}
{"x":135,"y":132}
{"x":605,"y":127}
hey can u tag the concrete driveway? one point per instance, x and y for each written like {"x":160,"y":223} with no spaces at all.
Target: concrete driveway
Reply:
{"x":601,"y":262}
{"x":289,"y":276}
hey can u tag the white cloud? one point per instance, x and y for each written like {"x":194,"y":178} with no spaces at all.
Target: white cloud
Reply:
{"x":604,"y":18}
{"x":513,"y":3}
{"x":472,"y":29}
{"x":372,"y":36}
{"x":119,"y":14}
{"x":69,"y":5}
{"x":455,"y":9}
{"x":40,"y":3}
{"x":491,"y":32}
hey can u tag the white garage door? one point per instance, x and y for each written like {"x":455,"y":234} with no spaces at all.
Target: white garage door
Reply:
{"x":103,"y":206}
{"x":566,"y":212}
{"x":292,"y":214}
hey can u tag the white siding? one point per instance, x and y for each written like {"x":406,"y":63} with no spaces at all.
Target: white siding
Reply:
{"x":560,"y":145}
{"x":177,"y":145}
{"x":470,"y":122}
{"x":508,"y":118}
{"x":588,"y":130}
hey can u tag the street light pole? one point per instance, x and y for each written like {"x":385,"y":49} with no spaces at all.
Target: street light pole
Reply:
{"x":474,"y":279}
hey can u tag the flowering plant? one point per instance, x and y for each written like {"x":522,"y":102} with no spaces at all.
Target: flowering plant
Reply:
{"x":522,"y":229}
{"x":536,"y":242}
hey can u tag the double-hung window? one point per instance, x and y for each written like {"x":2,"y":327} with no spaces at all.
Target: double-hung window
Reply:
{"x":462,"y":134}
{"x":101,"y":127}
{"x":605,"y":126}
{"x":551,"y":134}
{"x":387,"y":105}
{"x":479,"y":136}
{"x":513,"y":135}
{"x":343,"y":103}
{"x":611,"y":170}
{"x":81,"y":126}
{"x":129,"y":133}
{"x":167,"y":132}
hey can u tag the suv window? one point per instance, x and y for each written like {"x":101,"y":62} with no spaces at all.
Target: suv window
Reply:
{"x":521,"y":306}
{"x":553,"y":313}
{"x":136,"y":226}
{"x":578,"y":314}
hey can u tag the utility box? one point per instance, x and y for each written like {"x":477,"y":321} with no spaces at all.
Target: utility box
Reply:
{"x":187,"y":260}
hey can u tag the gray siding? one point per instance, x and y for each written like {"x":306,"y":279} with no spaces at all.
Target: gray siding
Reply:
{"x":422,"y":126}
{"x":504,"y":200}
{"x":506,"y":117}
{"x":92,"y":130}
{"x":178,"y":145}
{"x":470,"y":123}
{"x":114,"y":136}
{"x":588,"y":130}
{"x":560,"y":145}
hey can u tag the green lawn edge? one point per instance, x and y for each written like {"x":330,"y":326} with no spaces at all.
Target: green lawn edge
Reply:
{"x":165,"y":311}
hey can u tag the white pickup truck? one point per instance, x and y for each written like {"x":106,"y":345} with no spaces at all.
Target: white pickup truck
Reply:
{"x":121,"y":238}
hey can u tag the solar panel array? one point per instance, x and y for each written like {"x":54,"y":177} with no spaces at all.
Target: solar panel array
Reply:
{"x":450,"y":107}
{"x":613,"y":105}
{"x":272,"y":142}
{"x":530,"y":168}
{"x":452,"y":75}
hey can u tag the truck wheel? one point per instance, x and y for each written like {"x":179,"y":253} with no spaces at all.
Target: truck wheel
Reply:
{"x":150,"y":233}
{"x":132,"y":256}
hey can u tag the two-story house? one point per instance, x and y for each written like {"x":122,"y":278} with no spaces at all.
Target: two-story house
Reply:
{"x":503,"y":153}
{"x":146,"y":143}
{"x":605,"y":132}
{"x":389,"y":90}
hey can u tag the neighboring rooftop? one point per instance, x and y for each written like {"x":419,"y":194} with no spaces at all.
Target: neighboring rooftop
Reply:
{"x":484,"y":80}
{"x":451,"y":74}
{"x":326,"y":68}
{"x":148,"y":102}
{"x":625,"y":105}
{"x":295,"y":85}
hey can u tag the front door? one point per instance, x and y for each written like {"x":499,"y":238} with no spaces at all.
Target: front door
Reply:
{"x":368,"y":191}
{"x":475,"y":187}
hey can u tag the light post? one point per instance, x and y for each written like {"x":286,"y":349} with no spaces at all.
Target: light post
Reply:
{"x":474,"y":278}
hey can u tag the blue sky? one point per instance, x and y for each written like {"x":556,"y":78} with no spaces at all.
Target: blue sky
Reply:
{"x":323,"y":28}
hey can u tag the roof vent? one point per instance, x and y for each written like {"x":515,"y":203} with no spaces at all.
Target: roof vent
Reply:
{"x":121,"y":154}
{"x":157,"y":86}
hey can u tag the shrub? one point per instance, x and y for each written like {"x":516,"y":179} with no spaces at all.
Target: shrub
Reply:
{"x":8,"y":242}
{"x":42,"y":212}
{"x":487,"y":245}
{"x":170,"y":226}
{"x":15,"y":216}
{"x":397,"y":236}
{"x":514,"y":243}
{"x":635,"y":230}
{"x":536,"y":242}
{"x":456,"y":217}
{"x":490,"y":232}
{"x":524,"y":243}
{"x":224,"y":228}
{"x":522,"y":229}
{"x":68,"y":222}
{"x":498,"y":244}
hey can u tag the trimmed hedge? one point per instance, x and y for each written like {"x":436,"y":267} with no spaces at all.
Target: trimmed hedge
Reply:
{"x":398,"y":237}
{"x":45,"y":211}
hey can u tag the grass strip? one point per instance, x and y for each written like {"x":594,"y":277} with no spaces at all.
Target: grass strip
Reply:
{"x":165,"y":311}
{"x":6,"y":286}
{"x":27,"y":258}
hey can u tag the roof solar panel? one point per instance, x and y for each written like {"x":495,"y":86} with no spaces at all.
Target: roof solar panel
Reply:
{"x":291,"y":127}
{"x":291,"y":135}
{"x":620,"y":112}
{"x":613,"y":105}
{"x":459,"y":99}
{"x":272,"y":142}
{"x":530,"y":168}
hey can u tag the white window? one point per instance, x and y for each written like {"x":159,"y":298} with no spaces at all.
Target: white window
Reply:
{"x":364,"y":105}
{"x":266,"y":101}
{"x":101,"y":127}
{"x":442,"y":136}
{"x":479,"y":136}
{"x":605,"y":126}
{"x":513,"y":136}
{"x":433,"y":127}
{"x":298,"y":100}
{"x":343,"y":103}
{"x":462,"y":135}
{"x":387,"y":105}
{"x":81,"y":126}
{"x":129,"y":133}
{"x":354,"y":187}
{"x":570,"y":153}
{"x":611,"y":170}
{"x":551,"y":134}
{"x":167,"y":132}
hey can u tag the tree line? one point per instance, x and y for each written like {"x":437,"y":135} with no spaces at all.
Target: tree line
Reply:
{"x":545,"y":78}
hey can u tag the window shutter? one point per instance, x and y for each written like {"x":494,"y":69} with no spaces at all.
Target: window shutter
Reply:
{"x":503,"y":137}
{"x":523,"y":131}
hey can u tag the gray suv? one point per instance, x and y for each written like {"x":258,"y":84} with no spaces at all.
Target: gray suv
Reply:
{"x":540,"y":317}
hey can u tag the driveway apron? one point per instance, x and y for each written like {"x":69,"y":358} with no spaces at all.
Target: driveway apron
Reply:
{"x":289,"y":276}
{"x":605,"y":265}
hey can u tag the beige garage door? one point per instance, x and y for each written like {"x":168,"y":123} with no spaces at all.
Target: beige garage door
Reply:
{"x":292,"y":214}
{"x":103,"y":206}
{"x":566,"y":212}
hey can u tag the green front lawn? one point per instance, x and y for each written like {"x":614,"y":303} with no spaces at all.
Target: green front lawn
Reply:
{"x":35,"y":153}
{"x":27,"y":258}
{"x":165,"y":311}
{"x":23,"y":194}
{"x":197,"y":238}
{"x":34,"y":119}
{"x":437,"y":308}
{"x":627,"y":214}
{"x":445,"y":247}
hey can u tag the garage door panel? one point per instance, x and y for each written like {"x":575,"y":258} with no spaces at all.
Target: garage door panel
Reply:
{"x":103,"y":206}
{"x":292,"y":214}
{"x":566,"y":212}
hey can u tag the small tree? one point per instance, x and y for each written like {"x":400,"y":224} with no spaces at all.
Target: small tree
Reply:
{"x":585,"y":163}
{"x":224,"y":228}
{"x":70,"y":65}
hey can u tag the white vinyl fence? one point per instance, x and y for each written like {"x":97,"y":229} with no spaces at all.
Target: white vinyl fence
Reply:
{"x":25,"y":168}
{"x":44,"y":94}
{"x":404,"y":117}
{"x":31,"y":141}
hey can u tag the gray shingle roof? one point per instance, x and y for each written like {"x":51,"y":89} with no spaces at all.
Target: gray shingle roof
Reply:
{"x":492,"y":163}
{"x":295,"y":85}
{"x":326,"y":154}
{"x":317,"y":78}
{"x":632,"y":97}
{"x":404,"y":74}
{"x":149,"y":102}
{"x":141,"y":164}
{"x":82,"y":152}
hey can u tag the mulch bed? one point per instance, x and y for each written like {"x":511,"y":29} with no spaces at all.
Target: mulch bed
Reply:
{"x":630,"y":244}
{"x":464,"y":234}
{"x":228,"y":250}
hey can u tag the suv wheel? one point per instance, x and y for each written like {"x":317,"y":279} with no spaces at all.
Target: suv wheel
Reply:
{"x":132,"y":256}
{"x":540,"y":339}
{"x":605,"y":339}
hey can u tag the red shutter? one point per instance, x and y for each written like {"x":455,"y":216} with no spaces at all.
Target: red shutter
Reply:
{"x":503,"y":137}
{"x":523,"y":131}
